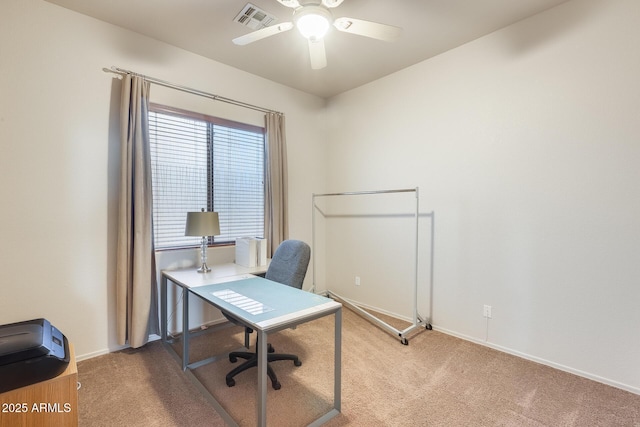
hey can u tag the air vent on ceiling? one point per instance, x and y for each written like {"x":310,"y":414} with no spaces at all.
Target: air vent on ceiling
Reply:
{"x":254,"y":17}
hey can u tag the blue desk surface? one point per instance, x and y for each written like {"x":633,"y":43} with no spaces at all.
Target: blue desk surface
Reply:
{"x":238,"y":298}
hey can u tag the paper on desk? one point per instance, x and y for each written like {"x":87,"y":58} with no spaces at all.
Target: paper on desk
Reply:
{"x":242,"y":302}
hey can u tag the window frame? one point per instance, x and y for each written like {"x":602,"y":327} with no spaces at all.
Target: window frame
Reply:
{"x":179,"y":112}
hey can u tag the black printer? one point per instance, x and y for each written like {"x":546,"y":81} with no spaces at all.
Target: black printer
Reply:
{"x":30,"y":352}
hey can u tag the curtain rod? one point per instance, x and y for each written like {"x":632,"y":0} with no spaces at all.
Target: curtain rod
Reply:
{"x":164,"y":83}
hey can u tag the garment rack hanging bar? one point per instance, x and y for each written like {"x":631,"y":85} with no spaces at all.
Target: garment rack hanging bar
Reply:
{"x":359,"y":193}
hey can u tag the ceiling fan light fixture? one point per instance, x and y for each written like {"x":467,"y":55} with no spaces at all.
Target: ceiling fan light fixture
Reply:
{"x":313,"y":22}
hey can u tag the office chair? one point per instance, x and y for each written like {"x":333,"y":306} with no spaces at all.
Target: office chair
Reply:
{"x":288,"y":266}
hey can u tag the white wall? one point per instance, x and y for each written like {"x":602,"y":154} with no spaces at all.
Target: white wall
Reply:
{"x":526,"y":144}
{"x":59,"y":158}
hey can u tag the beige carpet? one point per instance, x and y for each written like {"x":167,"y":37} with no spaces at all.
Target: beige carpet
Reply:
{"x":437,"y":380}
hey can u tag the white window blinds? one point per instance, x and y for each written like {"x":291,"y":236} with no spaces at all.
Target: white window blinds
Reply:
{"x":203,"y":162}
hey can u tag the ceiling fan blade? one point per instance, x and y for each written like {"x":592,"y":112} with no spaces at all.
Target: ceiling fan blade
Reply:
{"x":374,"y":30}
{"x":263,"y":33}
{"x":289,"y":3}
{"x":317,"y":54}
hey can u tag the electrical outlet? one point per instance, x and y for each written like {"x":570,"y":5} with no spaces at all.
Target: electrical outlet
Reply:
{"x":487,"y":311}
{"x":357,"y":280}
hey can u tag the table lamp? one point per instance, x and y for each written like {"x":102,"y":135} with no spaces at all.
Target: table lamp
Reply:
{"x":202,"y":224}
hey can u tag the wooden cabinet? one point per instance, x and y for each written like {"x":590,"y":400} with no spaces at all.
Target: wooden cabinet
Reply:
{"x":52,"y":402}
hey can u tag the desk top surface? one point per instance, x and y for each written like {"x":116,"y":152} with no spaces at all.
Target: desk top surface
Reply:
{"x":189,"y":277}
{"x":264,"y":304}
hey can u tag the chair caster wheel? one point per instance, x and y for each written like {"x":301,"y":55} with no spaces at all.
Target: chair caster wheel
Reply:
{"x":276,"y":386}
{"x":231,"y":382}
{"x":429,"y":327}
{"x":297,"y":363}
{"x":270,"y":349}
{"x":233,"y":359}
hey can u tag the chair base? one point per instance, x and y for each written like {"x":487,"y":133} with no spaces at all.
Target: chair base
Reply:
{"x":252,"y":361}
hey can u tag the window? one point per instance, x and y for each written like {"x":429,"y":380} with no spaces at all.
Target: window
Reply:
{"x":200,"y":162}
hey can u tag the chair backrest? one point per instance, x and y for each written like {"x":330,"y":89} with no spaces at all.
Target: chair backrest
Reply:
{"x":289,"y":263}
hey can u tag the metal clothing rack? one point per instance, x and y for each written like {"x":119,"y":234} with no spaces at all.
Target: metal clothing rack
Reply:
{"x":417,"y":320}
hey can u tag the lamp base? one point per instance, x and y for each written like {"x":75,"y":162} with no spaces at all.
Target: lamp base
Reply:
{"x":203,"y":256}
{"x":204,"y":268}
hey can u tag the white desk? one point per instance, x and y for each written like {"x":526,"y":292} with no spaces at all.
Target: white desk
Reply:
{"x":188,"y":278}
{"x":285,"y":307}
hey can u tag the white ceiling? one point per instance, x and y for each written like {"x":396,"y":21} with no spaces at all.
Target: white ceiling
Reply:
{"x":206,"y":27}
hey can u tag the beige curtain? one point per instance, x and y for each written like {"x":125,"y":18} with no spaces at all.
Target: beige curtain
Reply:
{"x":135,"y":270}
{"x":276,"y":227}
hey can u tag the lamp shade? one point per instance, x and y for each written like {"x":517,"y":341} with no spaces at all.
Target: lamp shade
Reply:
{"x":202,"y":224}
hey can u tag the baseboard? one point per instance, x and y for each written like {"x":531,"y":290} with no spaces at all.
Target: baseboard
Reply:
{"x":86,"y":356}
{"x":587,"y":375}
{"x":372,"y":308}
{"x":80,"y":358}
{"x":152,"y":337}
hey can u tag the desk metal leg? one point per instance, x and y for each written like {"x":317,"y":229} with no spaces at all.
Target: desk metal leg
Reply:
{"x":261,"y":397}
{"x":337,"y":373}
{"x":337,"y":362}
{"x":185,"y":329}
{"x":163,"y":308}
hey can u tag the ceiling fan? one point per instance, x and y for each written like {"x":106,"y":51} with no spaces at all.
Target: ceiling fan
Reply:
{"x":313,"y":19}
